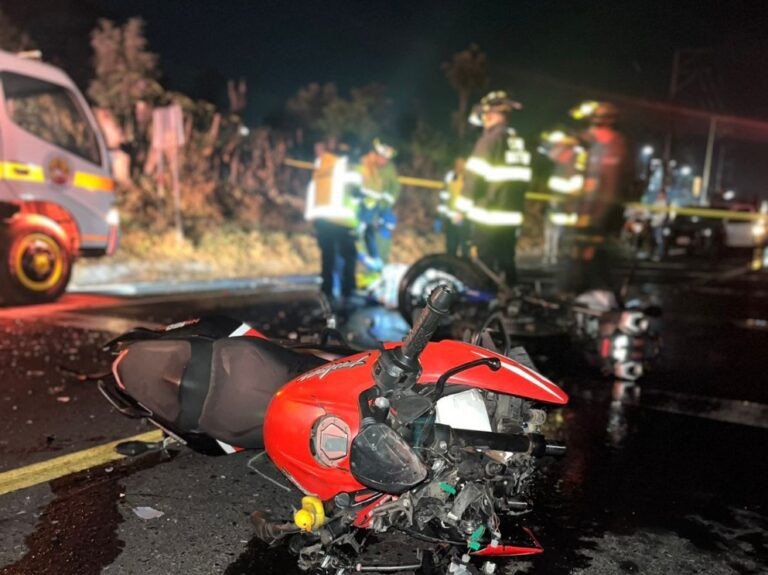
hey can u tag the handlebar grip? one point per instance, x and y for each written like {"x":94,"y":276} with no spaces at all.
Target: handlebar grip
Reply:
{"x":438,"y":306}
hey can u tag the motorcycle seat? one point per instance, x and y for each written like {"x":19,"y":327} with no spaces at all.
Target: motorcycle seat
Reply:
{"x":220,"y":387}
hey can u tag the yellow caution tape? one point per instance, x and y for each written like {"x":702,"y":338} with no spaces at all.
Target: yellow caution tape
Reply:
{"x":541,"y":197}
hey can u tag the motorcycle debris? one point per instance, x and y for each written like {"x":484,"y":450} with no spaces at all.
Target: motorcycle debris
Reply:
{"x":147,"y":513}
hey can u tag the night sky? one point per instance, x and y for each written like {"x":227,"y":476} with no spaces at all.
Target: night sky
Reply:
{"x":618,"y":46}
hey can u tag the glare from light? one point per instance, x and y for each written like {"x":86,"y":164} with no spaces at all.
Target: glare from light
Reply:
{"x":685,"y":170}
{"x":113,"y":217}
{"x":647,"y":151}
{"x":758,"y":230}
{"x":729,"y":195}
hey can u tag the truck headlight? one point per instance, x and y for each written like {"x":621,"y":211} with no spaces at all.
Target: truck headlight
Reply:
{"x":113,"y":217}
{"x":758,"y":230}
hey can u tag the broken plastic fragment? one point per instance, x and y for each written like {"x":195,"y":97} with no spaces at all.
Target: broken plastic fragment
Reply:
{"x":147,"y":512}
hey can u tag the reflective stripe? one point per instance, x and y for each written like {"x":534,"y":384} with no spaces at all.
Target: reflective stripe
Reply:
{"x":566,"y":185}
{"x":562,"y":219}
{"x":352,"y":177}
{"x":463,"y":204}
{"x":21,"y":172}
{"x":498,"y":173}
{"x":93,"y":182}
{"x":387,"y":197}
{"x":445,"y":195}
{"x":495,"y":217}
{"x":330,"y":212}
{"x":374,"y":195}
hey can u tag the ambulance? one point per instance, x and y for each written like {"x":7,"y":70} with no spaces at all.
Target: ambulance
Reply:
{"x":57,"y":199}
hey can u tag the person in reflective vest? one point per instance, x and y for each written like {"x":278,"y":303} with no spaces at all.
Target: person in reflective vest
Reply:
{"x":332,"y":207}
{"x":380,"y":190}
{"x":453,"y":224}
{"x":569,"y":160}
{"x":593,"y":248}
{"x":497,"y":176}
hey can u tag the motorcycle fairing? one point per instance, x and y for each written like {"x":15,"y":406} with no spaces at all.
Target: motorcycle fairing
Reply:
{"x":512,"y":379}
{"x":329,"y":391}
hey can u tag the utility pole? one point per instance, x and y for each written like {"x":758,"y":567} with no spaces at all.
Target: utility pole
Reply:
{"x":684,"y":74}
{"x":708,"y":159}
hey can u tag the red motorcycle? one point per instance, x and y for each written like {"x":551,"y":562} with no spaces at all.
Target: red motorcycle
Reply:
{"x":437,"y":440}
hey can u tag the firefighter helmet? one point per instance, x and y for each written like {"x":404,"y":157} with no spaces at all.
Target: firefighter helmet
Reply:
{"x":595,"y":112}
{"x":498,"y":101}
{"x":384,"y":150}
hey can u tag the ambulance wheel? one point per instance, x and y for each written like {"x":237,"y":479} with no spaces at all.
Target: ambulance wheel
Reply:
{"x":35,"y":265}
{"x":429,"y":272}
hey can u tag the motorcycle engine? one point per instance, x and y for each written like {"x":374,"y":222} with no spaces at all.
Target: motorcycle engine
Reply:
{"x":469,"y":488}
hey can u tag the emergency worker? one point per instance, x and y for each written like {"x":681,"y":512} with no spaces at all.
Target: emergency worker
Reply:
{"x":599,"y":208}
{"x":380,"y":190}
{"x":453,"y":223}
{"x":569,"y":160}
{"x":497,"y":175}
{"x":332,"y":206}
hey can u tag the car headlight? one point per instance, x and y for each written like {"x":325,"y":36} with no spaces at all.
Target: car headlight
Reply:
{"x":113,"y":217}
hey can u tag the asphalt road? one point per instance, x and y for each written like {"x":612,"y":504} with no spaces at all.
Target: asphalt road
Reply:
{"x":665,"y":477}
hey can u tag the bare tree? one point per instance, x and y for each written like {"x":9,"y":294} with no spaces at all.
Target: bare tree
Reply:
{"x":11,"y":38}
{"x":466,"y":73}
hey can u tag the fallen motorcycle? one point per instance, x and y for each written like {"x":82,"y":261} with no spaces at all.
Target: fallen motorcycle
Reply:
{"x":619,"y":338}
{"x":436,"y":440}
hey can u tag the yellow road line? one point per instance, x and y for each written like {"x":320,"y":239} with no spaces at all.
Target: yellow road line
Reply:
{"x":51,"y":469}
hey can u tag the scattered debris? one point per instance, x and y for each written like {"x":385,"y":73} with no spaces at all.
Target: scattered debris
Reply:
{"x":147,"y":513}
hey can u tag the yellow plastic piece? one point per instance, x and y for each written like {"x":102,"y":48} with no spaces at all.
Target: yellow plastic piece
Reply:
{"x":311,"y":514}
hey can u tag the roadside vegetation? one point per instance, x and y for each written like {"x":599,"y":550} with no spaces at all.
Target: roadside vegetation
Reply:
{"x":241,"y":206}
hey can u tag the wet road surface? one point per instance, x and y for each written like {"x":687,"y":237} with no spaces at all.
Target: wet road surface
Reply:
{"x":647,"y":486}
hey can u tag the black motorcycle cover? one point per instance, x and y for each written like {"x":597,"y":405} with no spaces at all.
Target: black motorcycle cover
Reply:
{"x":220,"y":387}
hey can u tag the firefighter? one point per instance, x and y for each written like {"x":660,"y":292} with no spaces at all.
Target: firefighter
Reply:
{"x":599,"y":207}
{"x":380,"y":190}
{"x":497,"y":175}
{"x":332,"y":206}
{"x":566,"y":180}
{"x":453,"y":224}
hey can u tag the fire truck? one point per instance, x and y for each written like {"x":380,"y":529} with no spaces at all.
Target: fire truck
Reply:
{"x":56,"y":189}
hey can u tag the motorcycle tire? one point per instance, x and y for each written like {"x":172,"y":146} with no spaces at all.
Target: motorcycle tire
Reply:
{"x":416,"y":284}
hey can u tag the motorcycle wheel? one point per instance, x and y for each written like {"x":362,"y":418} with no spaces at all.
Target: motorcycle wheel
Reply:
{"x":433,"y":270}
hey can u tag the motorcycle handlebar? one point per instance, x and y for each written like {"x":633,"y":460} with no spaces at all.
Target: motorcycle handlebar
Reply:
{"x":398,"y":368}
{"x":438,"y":306}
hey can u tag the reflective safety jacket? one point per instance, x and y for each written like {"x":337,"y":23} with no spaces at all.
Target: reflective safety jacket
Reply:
{"x":567,"y":179}
{"x":497,"y":176}
{"x":380,"y":187}
{"x":449,"y":197}
{"x":330,"y":193}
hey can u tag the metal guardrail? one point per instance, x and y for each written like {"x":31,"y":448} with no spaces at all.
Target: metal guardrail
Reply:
{"x":543,"y":197}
